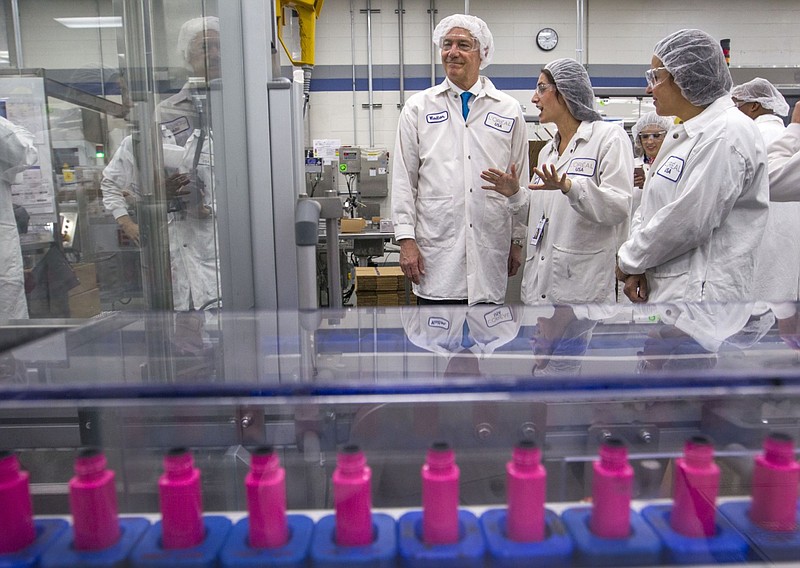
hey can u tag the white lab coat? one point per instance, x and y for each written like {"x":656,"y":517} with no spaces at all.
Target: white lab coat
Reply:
{"x":17,"y":153}
{"x":441,"y":329}
{"x":703,"y":211}
{"x":778,"y":260}
{"x":192,"y":240}
{"x":784,"y":165}
{"x":573,"y":262}
{"x":463,"y":232}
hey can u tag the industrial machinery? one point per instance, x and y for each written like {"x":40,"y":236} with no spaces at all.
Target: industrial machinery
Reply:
{"x":393,"y":381}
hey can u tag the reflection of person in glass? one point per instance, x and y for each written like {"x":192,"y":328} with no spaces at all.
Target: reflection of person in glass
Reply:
{"x":17,"y":153}
{"x":464,"y":335}
{"x":189,"y":176}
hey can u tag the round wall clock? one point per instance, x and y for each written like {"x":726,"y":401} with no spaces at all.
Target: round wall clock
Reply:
{"x":547,"y":39}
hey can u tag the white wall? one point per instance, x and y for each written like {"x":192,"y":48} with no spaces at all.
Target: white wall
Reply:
{"x":620,"y":32}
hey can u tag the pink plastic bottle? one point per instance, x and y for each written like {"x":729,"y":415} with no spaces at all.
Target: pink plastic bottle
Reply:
{"x":93,"y":502}
{"x":17,"y":530}
{"x":695,"y":490}
{"x":526,"y":479}
{"x":266,"y":500}
{"x":440,"y":477}
{"x":775,"y":479}
{"x":352,"y":498}
{"x":612,"y":487}
{"x":181,"y":501}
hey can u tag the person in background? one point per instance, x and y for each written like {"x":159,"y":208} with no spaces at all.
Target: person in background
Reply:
{"x":648,"y":135}
{"x":695,"y":236}
{"x":784,"y":185}
{"x":581,"y":194}
{"x":17,"y":153}
{"x":778,"y":261}
{"x":193,"y":239}
{"x":198,"y":45}
{"x":456,"y":242}
{"x":188,"y":159}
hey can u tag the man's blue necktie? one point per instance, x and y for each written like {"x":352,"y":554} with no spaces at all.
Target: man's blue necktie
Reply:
{"x":464,"y":106}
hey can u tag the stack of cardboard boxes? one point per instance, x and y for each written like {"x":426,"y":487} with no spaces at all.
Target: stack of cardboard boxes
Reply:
{"x":382,"y":286}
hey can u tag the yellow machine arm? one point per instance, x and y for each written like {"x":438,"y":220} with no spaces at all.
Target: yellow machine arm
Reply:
{"x":307,"y":12}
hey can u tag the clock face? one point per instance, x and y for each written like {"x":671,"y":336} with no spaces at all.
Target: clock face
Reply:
{"x":547,"y":39}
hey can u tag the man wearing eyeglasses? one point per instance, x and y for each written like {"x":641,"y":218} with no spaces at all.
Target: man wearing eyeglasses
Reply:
{"x":457,"y":243}
{"x":705,"y":203}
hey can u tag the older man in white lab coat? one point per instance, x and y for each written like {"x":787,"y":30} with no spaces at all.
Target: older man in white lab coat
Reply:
{"x":456,"y":240}
{"x":17,"y":153}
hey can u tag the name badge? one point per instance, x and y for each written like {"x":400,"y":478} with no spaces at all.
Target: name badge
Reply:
{"x":178,"y":125}
{"x":498,"y":316}
{"x":539,"y":232}
{"x":582,"y":167}
{"x":437,"y":117}
{"x":441,"y":323}
{"x":672,"y":168}
{"x":501,"y":123}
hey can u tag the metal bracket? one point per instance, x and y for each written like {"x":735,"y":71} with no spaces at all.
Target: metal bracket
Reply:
{"x":250,"y":421}
{"x":374,"y":105}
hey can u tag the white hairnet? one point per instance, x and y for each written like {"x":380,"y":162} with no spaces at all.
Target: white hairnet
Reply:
{"x":572,"y":81}
{"x":475,"y":26}
{"x":190,"y":29}
{"x":648,"y":119}
{"x":762,"y":92}
{"x":695,"y":61}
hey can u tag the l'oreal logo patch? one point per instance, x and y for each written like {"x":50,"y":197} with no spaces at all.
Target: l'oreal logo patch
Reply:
{"x":498,"y":316}
{"x":672,"y":168}
{"x":437,"y":117}
{"x":441,"y":323}
{"x":501,"y":123}
{"x":582,"y":167}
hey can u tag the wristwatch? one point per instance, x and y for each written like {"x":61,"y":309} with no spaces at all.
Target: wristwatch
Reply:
{"x":517,"y":242}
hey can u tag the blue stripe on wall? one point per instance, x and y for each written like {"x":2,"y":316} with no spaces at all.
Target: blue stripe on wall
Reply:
{"x":421,"y":83}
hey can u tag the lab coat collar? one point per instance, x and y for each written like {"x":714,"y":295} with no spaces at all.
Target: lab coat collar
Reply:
{"x":696,"y":125}
{"x":764,"y":118}
{"x":484,"y":85}
{"x":584,"y":132}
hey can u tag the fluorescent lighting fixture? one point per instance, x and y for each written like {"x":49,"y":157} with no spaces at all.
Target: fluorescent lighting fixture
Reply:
{"x":97,"y":22}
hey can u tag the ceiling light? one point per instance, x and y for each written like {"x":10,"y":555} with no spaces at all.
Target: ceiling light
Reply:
{"x":96,"y":22}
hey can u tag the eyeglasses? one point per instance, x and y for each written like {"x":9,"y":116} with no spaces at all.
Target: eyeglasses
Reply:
{"x":542,"y":88}
{"x":653,"y":135}
{"x":652,"y":76}
{"x":463,"y":44}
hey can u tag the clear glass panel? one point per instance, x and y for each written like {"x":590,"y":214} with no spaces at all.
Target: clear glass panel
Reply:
{"x":121,"y":205}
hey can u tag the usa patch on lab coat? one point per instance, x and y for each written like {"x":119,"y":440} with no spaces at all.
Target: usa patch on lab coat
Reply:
{"x":438,"y":322}
{"x":672,"y":168}
{"x":440,"y":116}
{"x":498,"y":316}
{"x":501,"y":123}
{"x":582,"y":167}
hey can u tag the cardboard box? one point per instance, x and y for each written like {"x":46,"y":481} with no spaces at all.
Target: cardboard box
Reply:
{"x":352,"y":225}
{"x":86,"y":273}
{"x":381,"y":286}
{"x":85,"y":305}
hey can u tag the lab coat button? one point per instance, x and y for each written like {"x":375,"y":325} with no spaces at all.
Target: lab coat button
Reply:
{"x":542,"y":258}
{"x":544,"y":296}
{"x":675,"y":136}
{"x":470,"y":225}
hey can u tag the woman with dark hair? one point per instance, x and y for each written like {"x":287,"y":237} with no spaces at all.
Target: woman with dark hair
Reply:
{"x":580,"y":198}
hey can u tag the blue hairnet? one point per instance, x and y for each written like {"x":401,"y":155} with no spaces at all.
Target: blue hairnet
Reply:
{"x":475,"y":26}
{"x":696,"y":63}
{"x":572,"y":81}
{"x":191,"y":28}
{"x":648,"y":119}
{"x":762,"y":92}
